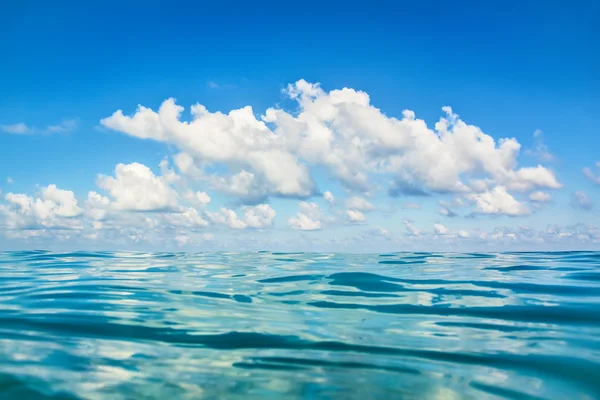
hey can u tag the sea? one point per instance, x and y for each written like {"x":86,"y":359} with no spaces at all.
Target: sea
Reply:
{"x":265,"y":325}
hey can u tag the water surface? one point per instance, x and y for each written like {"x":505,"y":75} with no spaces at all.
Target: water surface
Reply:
{"x":299,"y":326}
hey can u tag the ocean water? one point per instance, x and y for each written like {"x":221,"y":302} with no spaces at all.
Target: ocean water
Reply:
{"x":299,"y":326}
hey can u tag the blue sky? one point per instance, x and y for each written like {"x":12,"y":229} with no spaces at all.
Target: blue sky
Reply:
{"x":510,"y":71}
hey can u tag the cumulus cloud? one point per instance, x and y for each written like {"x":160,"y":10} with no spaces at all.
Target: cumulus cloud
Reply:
{"x":440,"y":229}
{"x":540,"y":197}
{"x":308,"y":219}
{"x":355,"y":216}
{"x":342,"y":132}
{"x":54,"y":208}
{"x":594,"y":177}
{"x":497,"y":201}
{"x":580,"y":201}
{"x":136,"y":188}
{"x":359,"y":203}
{"x":446,"y":212}
{"x":463,"y":234}
{"x":328,"y":196}
{"x":260,"y":216}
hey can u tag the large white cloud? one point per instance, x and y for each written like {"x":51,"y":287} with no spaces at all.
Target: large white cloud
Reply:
{"x":341,"y":131}
{"x":136,"y":188}
{"x":497,"y":201}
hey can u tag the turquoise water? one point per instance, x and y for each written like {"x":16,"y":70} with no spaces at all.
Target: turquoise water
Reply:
{"x":299,"y":326}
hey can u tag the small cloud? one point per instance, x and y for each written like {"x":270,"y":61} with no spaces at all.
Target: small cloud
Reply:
{"x":411,"y":206}
{"x":328,"y":196}
{"x":65,"y":126}
{"x":540,"y":151}
{"x":580,"y":201}
{"x":216,"y":85}
{"x":540,"y":197}
{"x":405,"y":188}
{"x":463,"y":234}
{"x":9,"y":180}
{"x":208,"y":236}
{"x":440,"y":229}
{"x":446,"y":212}
{"x":16,"y":129}
{"x":411,"y":229}
{"x":355,"y":216}
{"x":359,"y":203}
{"x":591,"y":175}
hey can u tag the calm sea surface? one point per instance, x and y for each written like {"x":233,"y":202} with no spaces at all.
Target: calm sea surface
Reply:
{"x":299,"y":326}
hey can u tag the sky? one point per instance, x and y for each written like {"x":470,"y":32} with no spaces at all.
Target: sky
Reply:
{"x":313,"y":126}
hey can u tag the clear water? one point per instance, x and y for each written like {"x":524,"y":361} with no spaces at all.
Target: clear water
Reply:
{"x":299,"y":326}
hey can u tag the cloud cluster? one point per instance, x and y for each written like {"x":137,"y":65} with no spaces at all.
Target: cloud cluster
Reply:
{"x":341,"y":132}
{"x":241,"y":161}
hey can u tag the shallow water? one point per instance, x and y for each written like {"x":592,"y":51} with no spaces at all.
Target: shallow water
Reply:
{"x":305,"y":326}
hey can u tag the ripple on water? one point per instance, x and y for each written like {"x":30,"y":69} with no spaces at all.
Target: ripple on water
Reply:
{"x":293,"y":325}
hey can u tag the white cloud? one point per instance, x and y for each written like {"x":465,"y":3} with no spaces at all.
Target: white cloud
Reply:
{"x":497,"y":201}
{"x":440,"y":229}
{"x":55,"y":208}
{"x":447,"y":212}
{"x":9,"y":180}
{"x":136,"y":188}
{"x":355,"y":216}
{"x":65,"y":126}
{"x":411,"y":206}
{"x":540,"y":197}
{"x":16,"y":129}
{"x":64,"y":201}
{"x":328,"y":196}
{"x":411,"y":230}
{"x":530,"y":178}
{"x":227,"y":217}
{"x":463,"y":234}
{"x":235,"y":139}
{"x":341,"y":131}
{"x":579,"y":200}
{"x":591,"y":175}
{"x":308,"y":219}
{"x":203,"y":197}
{"x":258,"y":217}
{"x":359,"y":203}
{"x":186,"y":218}
{"x":541,"y":151}
{"x":96,"y":206}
